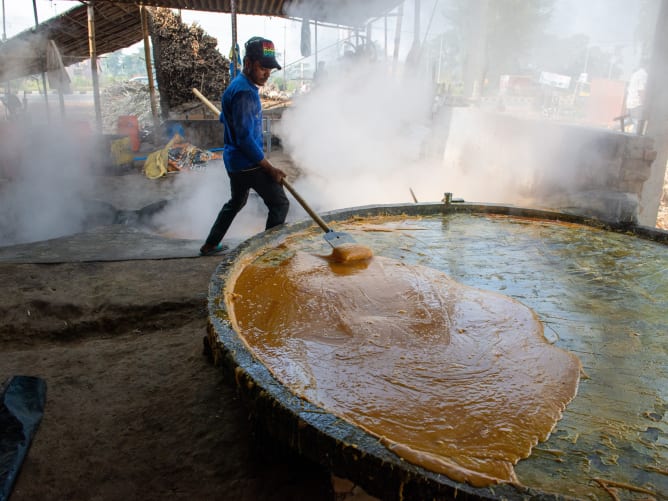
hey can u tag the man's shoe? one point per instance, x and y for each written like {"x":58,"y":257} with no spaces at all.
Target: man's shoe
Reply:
{"x":210,"y":250}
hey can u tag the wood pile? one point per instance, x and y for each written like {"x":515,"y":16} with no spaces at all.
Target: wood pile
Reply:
{"x":185,"y":58}
{"x":126,"y":98}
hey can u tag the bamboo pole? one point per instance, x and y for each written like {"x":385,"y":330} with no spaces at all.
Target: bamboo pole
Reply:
{"x":149,"y":67}
{"x":93,"y":65}
{"x":397,"y":37}
{"x":233,"y":18}
{"x":46,"y":96}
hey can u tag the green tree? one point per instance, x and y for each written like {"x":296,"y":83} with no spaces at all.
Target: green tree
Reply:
{"x":113,"y":63}
{"x":508,"y":30}
{"x":514,"y":26}
{"x":574,"y":55}
{"x":134,"y":63}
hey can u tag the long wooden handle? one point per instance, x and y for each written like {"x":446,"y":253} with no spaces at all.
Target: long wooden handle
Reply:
{"x":308,"y":209}
{"x":285,"y":182}
{"x":206,"y":101}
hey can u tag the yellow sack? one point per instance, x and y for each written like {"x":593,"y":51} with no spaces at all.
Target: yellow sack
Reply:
{"x":156,"y":163}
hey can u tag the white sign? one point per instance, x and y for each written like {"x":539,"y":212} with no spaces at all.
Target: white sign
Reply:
{"x":555,"y":80}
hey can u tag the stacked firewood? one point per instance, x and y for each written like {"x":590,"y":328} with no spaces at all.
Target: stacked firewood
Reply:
{"x":126,"y":98}
{"x":185,"y":58}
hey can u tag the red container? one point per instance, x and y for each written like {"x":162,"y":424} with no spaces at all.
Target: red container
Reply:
{"x":128,"y":125}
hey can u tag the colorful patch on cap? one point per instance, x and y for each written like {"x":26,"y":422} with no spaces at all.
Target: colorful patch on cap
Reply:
{"x":267,"y":49}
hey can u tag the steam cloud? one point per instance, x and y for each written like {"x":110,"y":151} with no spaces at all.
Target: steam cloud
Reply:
{"x":366,"y":134}
{"x":44,"y":198}
{"x":360,"y":137}
{"x":199,"y":197}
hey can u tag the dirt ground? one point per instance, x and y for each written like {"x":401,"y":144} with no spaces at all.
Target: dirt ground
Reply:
{"x":134,"y":409}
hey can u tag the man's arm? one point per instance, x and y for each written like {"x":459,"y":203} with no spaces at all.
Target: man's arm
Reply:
{"x":244,"y":110}
{"x":243,"y":122}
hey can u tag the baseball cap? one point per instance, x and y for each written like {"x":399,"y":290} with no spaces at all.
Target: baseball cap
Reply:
{"x":262,"y":50}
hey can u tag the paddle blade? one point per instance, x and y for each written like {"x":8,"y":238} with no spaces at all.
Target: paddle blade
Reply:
{"x":335,"y":238}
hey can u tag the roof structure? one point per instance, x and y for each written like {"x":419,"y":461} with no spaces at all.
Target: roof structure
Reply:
{"x":352,"y":13}
{"x":118,"y":25}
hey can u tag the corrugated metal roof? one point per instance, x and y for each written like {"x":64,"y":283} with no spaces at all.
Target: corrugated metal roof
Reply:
{"x":118,"y":25}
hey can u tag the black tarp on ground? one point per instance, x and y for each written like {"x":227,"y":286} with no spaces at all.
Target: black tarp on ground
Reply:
{"x":22,"y":401}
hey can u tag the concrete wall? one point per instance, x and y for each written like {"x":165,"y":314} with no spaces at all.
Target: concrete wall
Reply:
{"x":498,"y":158}
{"x":201,"y":133}
{"x":208,"y":133}
{"x":494,"y":157}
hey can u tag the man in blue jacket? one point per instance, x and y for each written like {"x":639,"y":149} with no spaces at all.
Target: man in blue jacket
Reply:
{"x":243,"y":154}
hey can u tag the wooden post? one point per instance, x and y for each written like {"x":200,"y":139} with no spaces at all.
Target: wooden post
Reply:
{"x":413,"y":56}
{"x":233,"y":18}
{"x":656,"y":106}
{"x":46,"y":95}
{"x":93,"y":65}
{"x":149,"y":67}
{"x":397,"y":37}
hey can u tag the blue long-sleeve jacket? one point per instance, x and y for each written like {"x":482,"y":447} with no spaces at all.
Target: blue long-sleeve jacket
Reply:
{"x":242,"y":116}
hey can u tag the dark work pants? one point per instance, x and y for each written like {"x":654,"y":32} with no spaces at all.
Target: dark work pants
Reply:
{"x":270,"y":191}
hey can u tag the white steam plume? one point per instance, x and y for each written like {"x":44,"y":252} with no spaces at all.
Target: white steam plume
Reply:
{"x":200,"y":195}
{"x":43,"y":198}
{"x":360,"y":137}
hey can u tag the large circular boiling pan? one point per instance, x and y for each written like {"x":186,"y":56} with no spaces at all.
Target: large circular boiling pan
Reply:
{"x":600,"y":293}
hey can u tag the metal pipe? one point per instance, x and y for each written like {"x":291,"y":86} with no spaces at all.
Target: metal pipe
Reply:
{"x":385,"y":37}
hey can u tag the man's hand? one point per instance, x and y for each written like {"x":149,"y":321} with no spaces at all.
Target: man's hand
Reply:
{"x":276,"y":173}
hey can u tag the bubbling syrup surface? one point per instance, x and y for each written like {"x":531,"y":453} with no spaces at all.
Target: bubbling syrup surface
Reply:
{"x":455,"y":379}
